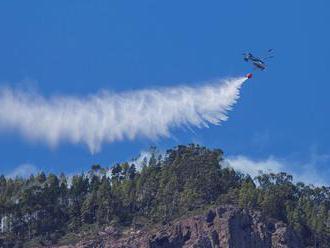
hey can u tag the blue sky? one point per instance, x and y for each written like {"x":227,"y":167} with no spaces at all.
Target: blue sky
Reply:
{"x":80,"y":47}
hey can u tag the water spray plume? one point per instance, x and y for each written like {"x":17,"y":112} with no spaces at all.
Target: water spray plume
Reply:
{"x":107,"y":117}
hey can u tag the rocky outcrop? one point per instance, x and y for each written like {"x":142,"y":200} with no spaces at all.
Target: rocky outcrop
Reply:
{"x":225,"y":226}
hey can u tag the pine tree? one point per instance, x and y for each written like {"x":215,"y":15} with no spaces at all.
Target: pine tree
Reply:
{"x":107,"y":205}
{"x":248,"y":194}
{"x":89,"y":208}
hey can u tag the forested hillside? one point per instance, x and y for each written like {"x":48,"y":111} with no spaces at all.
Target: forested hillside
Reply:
{"x":49,"y":209}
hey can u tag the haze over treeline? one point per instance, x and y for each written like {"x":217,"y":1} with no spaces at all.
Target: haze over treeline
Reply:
{"x":51,"y":209}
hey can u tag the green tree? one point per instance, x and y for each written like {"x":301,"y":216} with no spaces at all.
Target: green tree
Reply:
{"x":248,"y":194}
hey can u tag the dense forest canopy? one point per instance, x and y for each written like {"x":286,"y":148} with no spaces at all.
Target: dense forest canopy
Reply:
{"x":49,"y":209}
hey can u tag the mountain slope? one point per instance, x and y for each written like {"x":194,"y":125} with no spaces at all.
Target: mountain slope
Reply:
{"x":224,"y":226}
{"x":49,"y":210}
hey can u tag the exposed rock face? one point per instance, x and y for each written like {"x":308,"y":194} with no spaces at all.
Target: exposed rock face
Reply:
{"x":225,"y":226}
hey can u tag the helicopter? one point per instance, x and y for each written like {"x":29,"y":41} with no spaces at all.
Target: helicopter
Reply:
{"x":258,"y":62}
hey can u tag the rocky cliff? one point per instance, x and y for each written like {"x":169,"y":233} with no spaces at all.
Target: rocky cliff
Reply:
{"x":224,"y":226}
